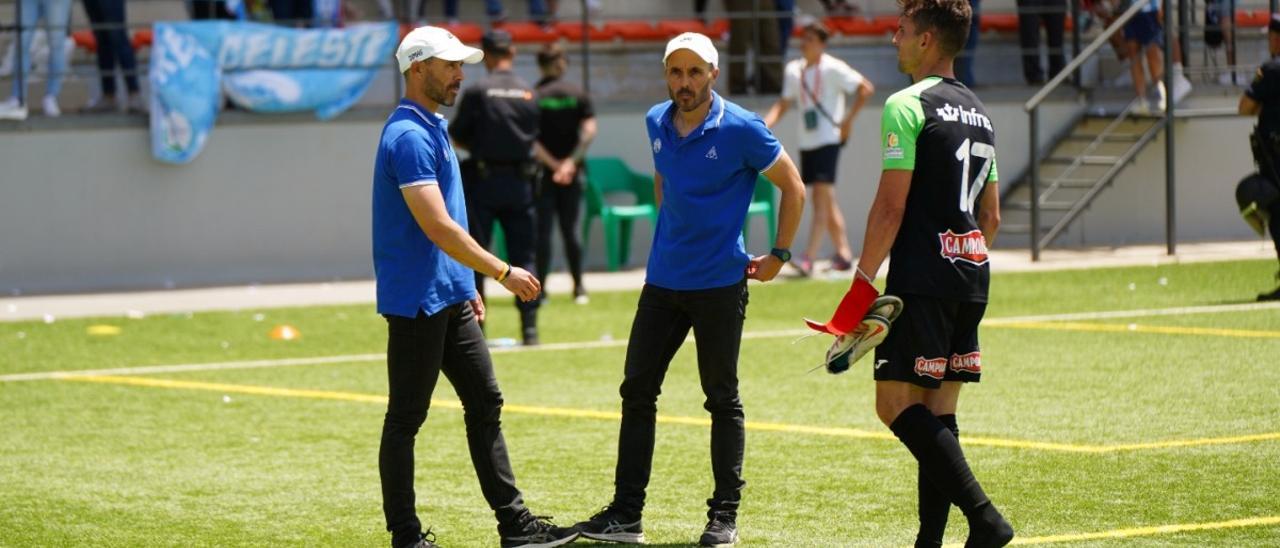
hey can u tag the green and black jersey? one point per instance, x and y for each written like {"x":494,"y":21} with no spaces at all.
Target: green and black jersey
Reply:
{"x":939,"y":130}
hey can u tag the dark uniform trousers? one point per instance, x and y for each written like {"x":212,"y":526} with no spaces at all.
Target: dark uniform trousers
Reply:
{"x":562,"y":203}
{"x":1053,"y":13}
{"x":663,"y":319}
{"x":418,"y":350}
{"x":504,"y":193}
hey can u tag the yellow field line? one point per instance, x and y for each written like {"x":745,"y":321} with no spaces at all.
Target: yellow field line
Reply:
{"x":1137,"y":328}
{"x":1148,"y":531}
{"x":667,"y":419}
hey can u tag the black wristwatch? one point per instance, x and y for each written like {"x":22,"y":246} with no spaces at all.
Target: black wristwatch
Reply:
{"x":783,"y":255}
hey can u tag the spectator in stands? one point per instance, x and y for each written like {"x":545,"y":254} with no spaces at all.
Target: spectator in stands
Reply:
{"x":840,"y":8}
{"x":567,"y":128}
{"x":1143,"y":35}
{"x":786,"y":24}
{"x":295,"y":13}
{"x":1031,"y":14}
{"x":750,"y":28}
{"x":964,"y":61}
{"x":56,"y":15}
{"x":114,"y":49}
{"x":209,"y":9}
{"x":823,"y":87}
{"x":493,"y":8}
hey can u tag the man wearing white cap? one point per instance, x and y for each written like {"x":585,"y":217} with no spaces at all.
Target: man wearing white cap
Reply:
{"x":708,"y":153}
{"x":424,"y":260}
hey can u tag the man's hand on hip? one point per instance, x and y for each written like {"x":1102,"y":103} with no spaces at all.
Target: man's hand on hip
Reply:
{"x":477,"y":307}
{"x":522,"y":284}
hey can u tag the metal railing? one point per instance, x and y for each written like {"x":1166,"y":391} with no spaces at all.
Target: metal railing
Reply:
{"x":1032,"y":107}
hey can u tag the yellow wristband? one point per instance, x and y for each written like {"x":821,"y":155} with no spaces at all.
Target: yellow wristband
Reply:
{"x":503,"y":275}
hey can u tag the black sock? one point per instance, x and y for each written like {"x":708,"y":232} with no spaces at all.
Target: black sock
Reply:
{"x":943,"y":463}
{"x":934,"y":505}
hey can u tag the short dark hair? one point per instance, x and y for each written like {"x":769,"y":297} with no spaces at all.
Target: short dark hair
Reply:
{"x":949,"y":19}
{"x":819,"y":30}
{"x":549,"y":54}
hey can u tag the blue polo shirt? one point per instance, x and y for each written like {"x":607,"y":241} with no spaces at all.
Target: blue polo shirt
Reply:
{"x":708,"y":178}
{"x":413,"y":273}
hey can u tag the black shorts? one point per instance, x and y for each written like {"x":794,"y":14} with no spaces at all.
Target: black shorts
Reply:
{"x":819,"y":165}
{"x":932,"y":341}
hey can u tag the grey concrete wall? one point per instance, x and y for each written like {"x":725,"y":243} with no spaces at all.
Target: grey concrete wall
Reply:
{"x":274,"y":199}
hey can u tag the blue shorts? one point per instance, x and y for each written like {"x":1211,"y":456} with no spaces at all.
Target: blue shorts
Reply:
{"x":1144,"y":29}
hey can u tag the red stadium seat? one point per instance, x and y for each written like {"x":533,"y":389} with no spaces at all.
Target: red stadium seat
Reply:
{"x":142,"y":39}
{"x":999,"y":22}
{"x":635,"y":31}
{"x":717,"y":28}
{"x":888,"y":24}
{"x":466,"y":32}
{"x":572,"y":31}
{"x":675,"y":27}
{"x":525,"y":32}
{"x":85,"y":40}
{"x":861,"y":26}
{"x":1253,"y":19}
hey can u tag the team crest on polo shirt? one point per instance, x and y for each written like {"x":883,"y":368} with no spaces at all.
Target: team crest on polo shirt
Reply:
{"x":657,"y":145}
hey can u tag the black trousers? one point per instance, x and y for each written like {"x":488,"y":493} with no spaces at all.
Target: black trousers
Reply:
{"x":1274,"y":225}
{"x":507,"y":197}
{"x":418,"y":350}
{"x":663,"y":319}
{"x":113,"y":45}
{"x":1031,"y":13}
{"x":744,"y":31}
{"x":562,"y":203}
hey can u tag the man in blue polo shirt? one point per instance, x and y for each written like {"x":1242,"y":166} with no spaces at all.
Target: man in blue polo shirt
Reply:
{"x":424,"y":260}
{"x":707,"y":153}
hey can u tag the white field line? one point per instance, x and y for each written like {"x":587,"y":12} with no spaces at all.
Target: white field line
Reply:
{"x":584,"y":345}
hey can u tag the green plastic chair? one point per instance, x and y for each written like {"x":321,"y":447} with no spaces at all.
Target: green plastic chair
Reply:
{"x":608,"y":175}
{"x":498,"y":241}
{"x":762,"y":204}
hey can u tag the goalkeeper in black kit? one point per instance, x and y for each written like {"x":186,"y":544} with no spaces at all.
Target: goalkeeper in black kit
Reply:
{"x":936,"y":211}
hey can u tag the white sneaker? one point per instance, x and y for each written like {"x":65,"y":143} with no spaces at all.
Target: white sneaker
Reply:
{"x":1141,"y":107}
{"x":582,"y":299}
{"x":50,"y":105}
{"x":1225,"y":79}
{"x":11,"y":110}
{"x":1181,"y":87}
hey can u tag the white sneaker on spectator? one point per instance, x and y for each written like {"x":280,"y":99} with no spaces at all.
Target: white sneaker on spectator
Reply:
{"x":136,"y":105}
{"x":1141,"y":107}
{"x":1181,"y":86}
{"x":11,"y":110}
{"x":50,"y":106}
{"x":1226,"y":79}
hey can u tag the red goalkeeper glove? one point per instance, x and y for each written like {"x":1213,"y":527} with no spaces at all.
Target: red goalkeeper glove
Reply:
{"x":852,"y":308}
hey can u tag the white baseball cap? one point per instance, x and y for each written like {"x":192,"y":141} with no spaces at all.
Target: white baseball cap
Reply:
{"x":697,"y":43}
{"x":426,"y":42}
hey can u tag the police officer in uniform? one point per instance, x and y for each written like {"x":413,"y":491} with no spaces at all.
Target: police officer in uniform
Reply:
{"x":568,"y":126}
{"x":497,"y":122}
{"x":1262,"y":99}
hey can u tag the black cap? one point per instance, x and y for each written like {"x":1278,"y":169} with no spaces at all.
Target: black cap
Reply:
{"x":496,"y":40}
{"x":1274,"y":25}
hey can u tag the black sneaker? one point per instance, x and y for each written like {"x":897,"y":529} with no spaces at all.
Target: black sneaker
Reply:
{"x":1272,"y":296}
{"x":989,"y":531}
{"x":425,"y":540}
{"x":721,"y":532}
{"x":612,"y":526}
{"x":539,"y":532}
